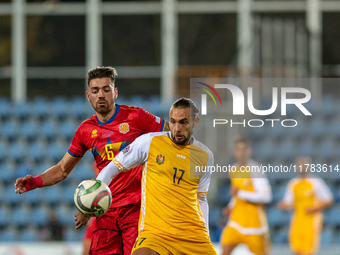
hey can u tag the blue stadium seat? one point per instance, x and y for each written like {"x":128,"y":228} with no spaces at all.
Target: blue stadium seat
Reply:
{"x":265,"y":150}
{"x":3,"y":150}
{"x":66,"y":214}
{"x":274,"y":216}
{"x":40,"y":107}
{"x":48,"y":129}
{"x":281,"y":236}
{"x":278,"y":193}
{"x":328,"y":105}
{"x":29,"y":129}
{"x":215,"y":214}
{"x":317,"y":128}
{"x":38,"y":150}
{"x":83,"y":171}
{"x":18,"y":150}
{"x":336,"y":193}
{"x":327,"y":149}
{"x":72,"y":235}
{"x":307,"y":148}
{"x":334,"y":128}
{"x":10,"y":129}
{"x":6,"y":216}
{"x":69,"y":193}
{"x":21,"y":109}
{"x":332,"y":218}
{"x":152,"y":104}
{"x":77,"y":107}
{"x":21,"y":215}
{"x":7,"y":171}
{"x":57,"y":151}
{"x":40,"y":216}
{"x":59,"y":106}
{"x":286,"y":149}
{"x":29,"y":234}
{"x":275,"y":131}
{"x":223,"y":195}
{"x":67,"y":129}
{"x":9,"y":234}
{"x":4,"y":107}
{"x":327,"y":236}
{"x":53,"y":194}
{"x":298,"y":130}
{"x":11,"y":196}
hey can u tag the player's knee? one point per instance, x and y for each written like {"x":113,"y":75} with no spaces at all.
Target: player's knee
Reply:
{"x":144,"y":251}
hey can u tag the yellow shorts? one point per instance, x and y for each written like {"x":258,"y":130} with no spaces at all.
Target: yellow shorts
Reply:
{"x":258,"y":244}
{"x":305,"y":242}
{"x":171,"y":246}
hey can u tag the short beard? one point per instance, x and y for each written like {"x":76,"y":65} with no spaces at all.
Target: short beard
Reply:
{"x":102,"y":110}
{"x":182,"y":142}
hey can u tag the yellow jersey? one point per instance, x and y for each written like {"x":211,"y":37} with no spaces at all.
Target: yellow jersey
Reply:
{"x":248,"y":214}
{"x":305,"y":228}
{"x":171,"y":185}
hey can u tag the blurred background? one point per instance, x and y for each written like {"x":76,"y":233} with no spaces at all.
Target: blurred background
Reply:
{"x":46,"y":48}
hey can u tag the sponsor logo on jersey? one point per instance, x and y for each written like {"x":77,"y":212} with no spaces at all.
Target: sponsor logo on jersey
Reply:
{"x":107,"y":134}
{"x":160,"y":159}
{"x":181,"y":156}
{"x":124,"y":128}
{"x":126,"y":150}
{"x":94,"y":133}
{"x":158,"y":120}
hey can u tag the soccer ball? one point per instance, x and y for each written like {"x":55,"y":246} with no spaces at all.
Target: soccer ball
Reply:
{"x":92,"y":198}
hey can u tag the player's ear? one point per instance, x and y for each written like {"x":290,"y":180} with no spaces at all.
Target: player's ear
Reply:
{"x":116,"y":93}
{"x":196,"y":121}
{"x":88,"y":96}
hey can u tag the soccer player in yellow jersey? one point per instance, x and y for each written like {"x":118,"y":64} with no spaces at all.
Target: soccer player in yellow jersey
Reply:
{"x":174,"y":208}
{"x":247,"y":222}
{"x":308,"y":195}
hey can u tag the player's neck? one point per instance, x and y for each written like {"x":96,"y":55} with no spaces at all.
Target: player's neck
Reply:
{"x":105,"y":117}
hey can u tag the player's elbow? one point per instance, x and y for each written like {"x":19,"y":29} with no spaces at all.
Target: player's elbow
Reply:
{"x":268,"y":198}
{"x":62,"y":173}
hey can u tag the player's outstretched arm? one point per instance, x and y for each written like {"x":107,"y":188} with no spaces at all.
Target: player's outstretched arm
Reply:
{"x":50,"y":177}
{"x":133,"y":155}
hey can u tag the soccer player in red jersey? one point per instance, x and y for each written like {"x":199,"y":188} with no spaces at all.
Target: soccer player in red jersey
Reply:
{"x":105,"y":134}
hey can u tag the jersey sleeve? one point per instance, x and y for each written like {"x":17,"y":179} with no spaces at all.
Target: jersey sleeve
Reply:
{"x":131,"y":156}
{"x":322,"y":191}
{"x":149,"y":122}
{"x":77,"y":148}
{"x":288,"y":197}
{"x":262,"y":193}
{"x":134,"y":154}
{"x":204,"y":181}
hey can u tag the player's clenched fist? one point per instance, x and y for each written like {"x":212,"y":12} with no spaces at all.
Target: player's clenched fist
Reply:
{"x":27,"y":183}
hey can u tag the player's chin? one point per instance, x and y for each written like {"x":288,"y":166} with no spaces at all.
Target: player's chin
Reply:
{"x":181,"y":141}
{"x":102,"y":109}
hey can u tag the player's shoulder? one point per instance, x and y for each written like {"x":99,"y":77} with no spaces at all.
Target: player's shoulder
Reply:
{"x":151,"y":135}
{"x":316,"y":180}
{"x":129,"y":108}
{"x":294,"y":181}
{"x":202,"y":147}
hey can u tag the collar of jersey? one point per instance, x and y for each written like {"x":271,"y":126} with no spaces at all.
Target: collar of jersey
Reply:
{"x":112,"y":118}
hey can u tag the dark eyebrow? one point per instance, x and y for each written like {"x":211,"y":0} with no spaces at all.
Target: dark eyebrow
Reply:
{"x":104,"y":87}
{"x":179,"y":120}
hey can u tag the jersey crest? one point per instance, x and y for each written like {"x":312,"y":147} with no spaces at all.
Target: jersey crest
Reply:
{"x":124,"y":128}
{"x":160,"y":159}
